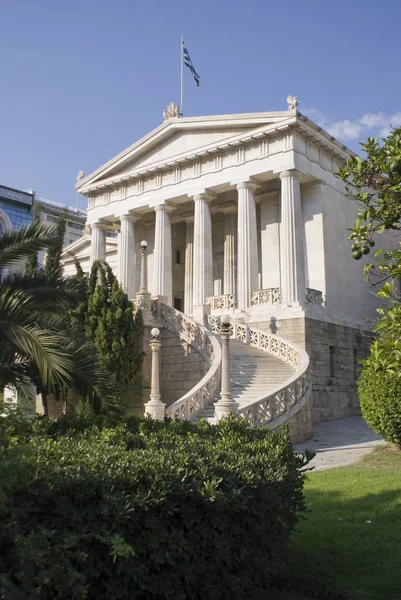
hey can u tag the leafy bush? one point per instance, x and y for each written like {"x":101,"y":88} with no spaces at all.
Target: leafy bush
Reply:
{"x":380,"y":399}
{"x":142,"y":509}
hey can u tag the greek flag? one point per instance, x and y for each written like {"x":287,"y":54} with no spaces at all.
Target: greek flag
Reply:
{"x":189,"y":64}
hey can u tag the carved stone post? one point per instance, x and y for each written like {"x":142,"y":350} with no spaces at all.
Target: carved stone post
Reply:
{"x":226,"y":404}
{"x":155,"y":408}
{"x":142,"y":298}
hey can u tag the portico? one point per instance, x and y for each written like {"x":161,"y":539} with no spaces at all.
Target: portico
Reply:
{"x":242,"y":214}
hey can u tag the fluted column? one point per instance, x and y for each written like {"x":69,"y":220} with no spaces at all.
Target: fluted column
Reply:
{"x":203,"y":254}
{"x":230,"y":242}
{"x":98,"y":242}
{"x":292,"y":268}
{"x":247,"y":270}
{"x":126,"y":254}
{"x":189,"y":266}
{"x":163,"y":261}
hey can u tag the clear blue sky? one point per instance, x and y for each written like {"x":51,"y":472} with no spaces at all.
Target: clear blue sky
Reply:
{"x":82,"y":79}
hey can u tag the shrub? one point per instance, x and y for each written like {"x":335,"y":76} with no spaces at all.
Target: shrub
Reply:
{"x":380,"y":399}
{"x":145,"y":510}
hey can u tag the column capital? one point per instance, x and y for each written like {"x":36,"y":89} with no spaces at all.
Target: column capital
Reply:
{"x":131,"y":217}
{"x":205,"y":196}
{"x":290,"y":173}
{"x":100,"y":225}
{"x":164,"y":207}
{"x":247,"y":185}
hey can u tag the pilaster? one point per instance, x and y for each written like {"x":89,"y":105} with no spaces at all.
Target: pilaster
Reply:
{"x":189,"y":266}
{"x":230,"y":243}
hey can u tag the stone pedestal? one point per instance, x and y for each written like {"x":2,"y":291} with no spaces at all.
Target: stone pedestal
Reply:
{"x":200,"y":313}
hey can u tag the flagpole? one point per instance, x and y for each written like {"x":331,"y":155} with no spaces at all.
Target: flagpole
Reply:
{"x":182,"y":75}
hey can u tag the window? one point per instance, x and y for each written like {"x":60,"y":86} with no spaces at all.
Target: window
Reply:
{"x":178,"y":304}
{"x":179,"y":257}
{"x":331,"y":360}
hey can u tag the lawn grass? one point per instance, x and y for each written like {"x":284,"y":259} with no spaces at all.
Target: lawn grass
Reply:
{"x":350,"y":545}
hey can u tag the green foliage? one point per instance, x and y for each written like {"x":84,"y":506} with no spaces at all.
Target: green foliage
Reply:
{"x":110,"y":324}
{"x":380,"y":398}
{"x":142,"y":509}
{"x":32,"y":265}
{"x":374,"y":182}
{"x":53,"y":266}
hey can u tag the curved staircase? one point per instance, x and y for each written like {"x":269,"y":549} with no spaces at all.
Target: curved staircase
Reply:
{"x":270,"y":379}
{"x":253,"y":375}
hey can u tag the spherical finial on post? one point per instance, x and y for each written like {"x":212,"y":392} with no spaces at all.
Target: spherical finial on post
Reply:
{"x":155,"y":332}
{"x":144,"y":245}
{"x":225,"y":320}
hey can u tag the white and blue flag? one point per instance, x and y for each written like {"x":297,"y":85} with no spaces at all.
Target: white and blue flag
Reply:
{"x":189,"y":64}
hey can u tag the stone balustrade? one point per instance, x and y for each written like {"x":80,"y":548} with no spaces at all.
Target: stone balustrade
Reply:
{"x":224,"y":302}
{"x":204,"y":342}
{"x":314,"y":297}
{"x":284,"y":402}
{"x":268,"y":296}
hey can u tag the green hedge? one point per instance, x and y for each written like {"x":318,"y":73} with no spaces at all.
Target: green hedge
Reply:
{"x":380,"y":399}
{"x":144,"y":510}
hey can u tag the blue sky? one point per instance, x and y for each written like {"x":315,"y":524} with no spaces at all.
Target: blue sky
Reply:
{"x":82,"y":79}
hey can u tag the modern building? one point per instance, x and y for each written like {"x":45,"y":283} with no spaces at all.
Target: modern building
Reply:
{"x":50,"y":211}
{"x":16,"y":208}
{"x":242,"y":214}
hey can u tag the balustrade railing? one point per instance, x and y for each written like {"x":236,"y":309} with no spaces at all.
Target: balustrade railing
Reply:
{"x":277,"y":405}
{"x":206,"y":343}
{"x":223,"y":302}
{"x":314,"y":296}
{"x":268,"y":296}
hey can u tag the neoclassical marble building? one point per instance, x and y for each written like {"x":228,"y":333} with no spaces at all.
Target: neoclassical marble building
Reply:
{"x":242,"y":214}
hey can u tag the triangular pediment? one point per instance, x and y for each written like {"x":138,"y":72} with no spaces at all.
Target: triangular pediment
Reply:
{"x":177,"y":137}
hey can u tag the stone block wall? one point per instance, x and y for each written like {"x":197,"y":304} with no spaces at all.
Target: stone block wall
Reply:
{"x":334,"y":352}
{"x":181,"y":367}
{"x":301,"y":424}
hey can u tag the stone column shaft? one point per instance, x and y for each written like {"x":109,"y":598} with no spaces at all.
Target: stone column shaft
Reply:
{"x":98,"y":242}
{"x":247,"y":269}
{"x":230,"y":239}
{"x":292,"y":269}
{"x":126,"y":254}
{"x":163,"y":260}
{"x":203,"y":254}
{"x":189,"y":267}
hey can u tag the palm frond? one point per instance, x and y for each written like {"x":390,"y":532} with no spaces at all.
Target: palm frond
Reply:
{"x":17,"y":244}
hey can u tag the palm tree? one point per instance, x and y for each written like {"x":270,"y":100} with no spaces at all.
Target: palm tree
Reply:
{"x":38,"y":342}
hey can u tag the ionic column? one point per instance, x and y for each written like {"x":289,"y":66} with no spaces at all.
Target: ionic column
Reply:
{"x":189,"y":266}
{"x":98,"y":242}
{"x":292,"y":268}
{"x":163,"y":261}
{"x":126,"y":254}
{"x":247,"y":260}
{"x":230,"y":238}
{"x":203,"y":254}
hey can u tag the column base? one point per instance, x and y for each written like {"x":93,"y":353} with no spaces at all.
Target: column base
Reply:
{"x":223,"y":408}
{"x":143,"y":302}
{"x":200,"y":313}
{"x":156,"y":409}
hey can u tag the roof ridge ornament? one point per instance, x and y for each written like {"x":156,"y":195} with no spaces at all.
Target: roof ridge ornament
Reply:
{"x":172,"y":111}
{"x":292,"y":102}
